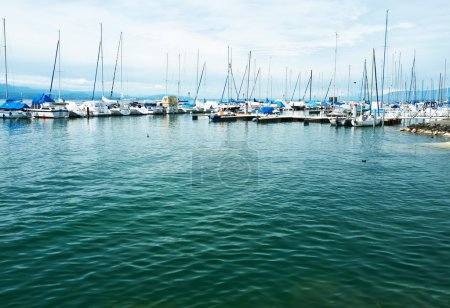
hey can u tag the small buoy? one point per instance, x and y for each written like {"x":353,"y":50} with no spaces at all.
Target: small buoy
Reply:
{"x":148,"y":136}
{"x":364,"y":161}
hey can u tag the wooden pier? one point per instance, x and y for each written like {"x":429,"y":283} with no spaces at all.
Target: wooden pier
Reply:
{"x":282,"y":119}
{"x":279,"y":119}
{"x":270,"y":119}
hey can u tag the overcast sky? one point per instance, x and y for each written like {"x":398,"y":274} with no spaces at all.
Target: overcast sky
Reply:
{"x":294,"y":36}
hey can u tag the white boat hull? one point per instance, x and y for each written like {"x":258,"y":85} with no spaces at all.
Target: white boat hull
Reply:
{"x":13,"y":114}
{"x":358,"y":122}
{"x":101,"y":112}
{"x":50,"y":113}
{"x":119,"y":112}
{"x":76,"y":111}
{"x":138,"y":111}
{"x":77,"y":114}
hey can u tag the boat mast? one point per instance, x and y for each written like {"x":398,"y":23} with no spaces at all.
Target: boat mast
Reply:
{"x":376,"y":85}
{"x":334,"y":76}
{"x":228,"y":76}
{"x":422,"y":96}
{"x":59,"y":66}
{"x":295,"y":87}
{"x":371,"y":82}
{"x":101,"y":49}
{"x":286,"y":84}
{"x":445,"y":80}
{"x":6,"y":64}
{"x":440,"y":89}
{"x":348,"y":82}
{"x":115,"y":68}
{"x":242,"y":83}
{"x":54,"y":67}
{"x":412,"y":78}
{"x":204,"y":79}
{"x":384,"y":62}
{"x":198,"y":59}
{"x":179,"y":74}
{"x":96,"y":69}
{"x":268,"y":76}
{"x":198,"y":85}
{"x":248,"y":76}
{"x":254,"y":83}
{"x":167,"y":70}
{"x":299,"y":84}
{"x":121,"y":65}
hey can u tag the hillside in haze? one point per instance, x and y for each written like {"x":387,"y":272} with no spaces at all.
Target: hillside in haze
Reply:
{"x":29,"y":93}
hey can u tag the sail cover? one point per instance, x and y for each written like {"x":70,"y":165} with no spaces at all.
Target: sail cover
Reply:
{"x":14,"y":105}
{"x":44,"y":98}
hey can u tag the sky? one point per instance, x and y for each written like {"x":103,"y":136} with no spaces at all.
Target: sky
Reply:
{"x":287,"y":38}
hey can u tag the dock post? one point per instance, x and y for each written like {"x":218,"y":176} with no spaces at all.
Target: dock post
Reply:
{"x":87,"y":112}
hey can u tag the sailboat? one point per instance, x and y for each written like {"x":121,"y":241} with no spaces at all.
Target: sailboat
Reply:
{"x":93,"y":107}
{"x":117,"y":107}
{"x":12,"y":108}
{"x":366,"y":118}
{"x":44,"y":106}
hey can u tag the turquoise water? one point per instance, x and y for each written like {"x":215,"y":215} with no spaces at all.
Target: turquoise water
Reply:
{"x":170,"y":212}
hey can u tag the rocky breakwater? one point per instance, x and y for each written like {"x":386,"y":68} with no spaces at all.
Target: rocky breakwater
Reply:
{"x":437,"y":128}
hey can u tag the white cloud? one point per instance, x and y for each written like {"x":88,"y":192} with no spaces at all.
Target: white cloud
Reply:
{"x":296,"y":34}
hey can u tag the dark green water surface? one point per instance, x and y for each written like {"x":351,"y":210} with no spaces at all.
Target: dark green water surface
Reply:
{"x":170,"y":212}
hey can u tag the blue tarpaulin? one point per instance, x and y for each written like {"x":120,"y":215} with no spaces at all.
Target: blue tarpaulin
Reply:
{"x":188,"y":105}
{"x":14,"y":105}
{"x":279,"y":104}
{"x":44,"y":98}
{"x":14,"y":99}
{"x":266,"y":110}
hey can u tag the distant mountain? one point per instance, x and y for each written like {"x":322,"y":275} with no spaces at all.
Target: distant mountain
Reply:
{"x":30,"y":93}
{"x":418,"y":95}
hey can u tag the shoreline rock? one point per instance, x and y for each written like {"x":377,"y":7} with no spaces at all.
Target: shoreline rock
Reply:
{"x":439,"y":128}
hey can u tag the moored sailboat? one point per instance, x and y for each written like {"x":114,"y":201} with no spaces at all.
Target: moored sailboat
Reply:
{"x":97,"y":108}
{"x":44,"y":106}
{"x":12,"y":108}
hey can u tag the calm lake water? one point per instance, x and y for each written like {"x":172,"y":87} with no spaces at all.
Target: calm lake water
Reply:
{"x":170,"y":212}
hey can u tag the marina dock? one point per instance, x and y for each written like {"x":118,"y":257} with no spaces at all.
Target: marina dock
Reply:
{"x":283,"y":119}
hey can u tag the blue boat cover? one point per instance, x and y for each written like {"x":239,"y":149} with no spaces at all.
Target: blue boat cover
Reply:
{"x":14,"y":99}
{"x":279,"y":104}
{"x":188,"y":105}
{"x":312,"y":104}
{"x":13,"y":105}
{"x":266,"y":110}
{"x":237,"y":101}
{"x":44,"y":98}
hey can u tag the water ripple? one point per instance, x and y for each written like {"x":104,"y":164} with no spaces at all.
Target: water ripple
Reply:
{"x":95,"y":213}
